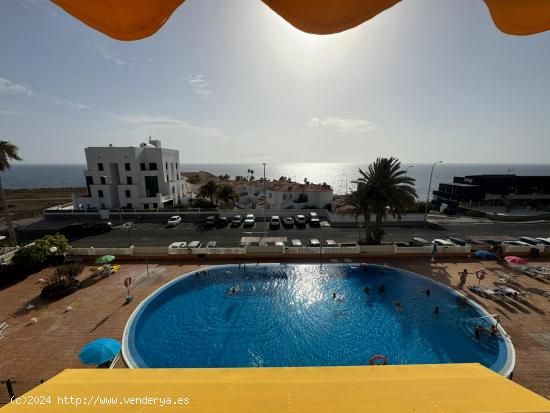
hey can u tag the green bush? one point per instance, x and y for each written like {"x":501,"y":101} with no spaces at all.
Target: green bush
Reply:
{"x":37,"y":255}
{"x":203,"y":203}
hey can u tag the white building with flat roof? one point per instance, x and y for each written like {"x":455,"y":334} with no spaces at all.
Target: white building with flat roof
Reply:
{"x":144,"y":177}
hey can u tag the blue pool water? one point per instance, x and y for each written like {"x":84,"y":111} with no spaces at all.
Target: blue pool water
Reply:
{"x":284,"y":315}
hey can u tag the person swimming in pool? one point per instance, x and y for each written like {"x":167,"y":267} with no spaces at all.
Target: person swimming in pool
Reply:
{"x":436,"y":310}
{"x":381,"y":289}
{"x":479,"y":331}
{"x":234,"y":290}
{"x":338,"y":297}
{"x":428,"y":292}
{"x":366,"y":290}
{"x":398,"y":306}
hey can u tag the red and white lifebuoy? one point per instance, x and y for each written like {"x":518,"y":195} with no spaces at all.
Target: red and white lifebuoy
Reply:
{"x":480,"y":275}
{"x":378,"y":360}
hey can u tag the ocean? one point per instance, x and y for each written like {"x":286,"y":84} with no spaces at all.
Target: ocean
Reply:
{"x":339,"y":175}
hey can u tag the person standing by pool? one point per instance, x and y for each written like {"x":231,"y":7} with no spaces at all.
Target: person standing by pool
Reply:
{"x":463,"y":275}
{"x":434,"y":252}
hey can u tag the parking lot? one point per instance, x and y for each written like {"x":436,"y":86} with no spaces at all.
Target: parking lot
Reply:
{"x":157,"y":234}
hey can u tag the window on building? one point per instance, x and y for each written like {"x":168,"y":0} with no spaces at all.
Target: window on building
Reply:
{"x":284,"y":197}
{"x":126,"y":166}
{"x":100,"y":193}
{"x":129,"y":180}
{"x":152,"y":166}
{"x":128,"y":193}
{"x":151,"y":186}
{"x":271,"y":195}
{"x":145,"y":206}
{"x":142,"y":166}
{"x":89,"y":182}
{"x":102,"y":205}
{"x":129,"y":205}
{"x":173,"y":190}
{"x":166,"y":164}
{"x":103,"y":180}
{"x":99,"y":166}
{"x":155,"y":205}
{"x":167,"y":178}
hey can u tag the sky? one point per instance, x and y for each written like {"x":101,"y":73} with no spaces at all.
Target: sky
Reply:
{"x":232,"y":82}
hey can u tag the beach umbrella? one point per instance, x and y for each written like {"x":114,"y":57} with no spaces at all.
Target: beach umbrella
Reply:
{"x":486,"y":255}
{"x":105,"y":259}
{"x":513,"y":260}
{"x":99,"y":351}
{"x":137,"y":19}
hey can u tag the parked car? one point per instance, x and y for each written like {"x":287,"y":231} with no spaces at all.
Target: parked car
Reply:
{"x":314,"y":220}
{"x":458,"y":241}
{"x":419,"y":242}
{"x":236,"y":221}
{"x":401,"y":244}
{"x":530,"y":241}
{"x":194,"y":244}
{"x":296,"y":243}
{"x":279,"y":244}
{"x":249,"y":220}
{"x":288,"y":222}
{"x":178,"y":244}
{"x":300,"y":221}
{"x":330,"y":243}
{"x":174,"y":221}
{"x":314,"y":242}
{"x":222,"y":222}
{"x":211,"y":244}
{"x":544,"y":241}
{"x":443,"y":242}
{"x":275,"y":222}
{"x":516,"y":243}
{"x":477,"y":244}
{"x":210,"y":221}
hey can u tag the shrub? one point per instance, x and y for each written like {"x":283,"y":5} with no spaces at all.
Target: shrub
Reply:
{"x":35,"y":256}
{"x":203,"y":203}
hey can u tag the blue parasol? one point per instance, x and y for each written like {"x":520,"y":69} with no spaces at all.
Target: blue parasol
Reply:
{"x":99,"y":351}
{"x":486,"y":255}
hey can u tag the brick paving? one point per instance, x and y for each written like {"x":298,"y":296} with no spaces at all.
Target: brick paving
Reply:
{"x":31,"y":352}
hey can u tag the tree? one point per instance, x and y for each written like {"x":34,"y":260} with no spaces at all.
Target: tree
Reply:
{"x":226,"y":194}
{"x":208,"y":190}
{"x":383,"y":189}
{"x":8,"y":152}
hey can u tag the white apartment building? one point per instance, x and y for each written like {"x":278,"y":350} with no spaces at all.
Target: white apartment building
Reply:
{"x":144,"y":177}
{"x":284,"y":194}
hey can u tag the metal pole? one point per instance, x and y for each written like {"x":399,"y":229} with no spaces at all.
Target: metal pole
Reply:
{"x":429,"y":189}
{"x":265,"y":206}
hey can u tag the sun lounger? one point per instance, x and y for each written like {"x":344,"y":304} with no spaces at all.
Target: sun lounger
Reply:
{"x":506,"y":277}
{"x":497,"y":293}
{"x":3,"y":327}
{"x":535,"y":273}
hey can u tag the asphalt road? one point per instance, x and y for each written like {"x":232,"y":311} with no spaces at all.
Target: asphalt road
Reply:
{"x":155,"y":234}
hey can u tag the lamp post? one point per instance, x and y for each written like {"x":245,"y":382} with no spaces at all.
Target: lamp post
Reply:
{"x":265,"y":205}
{"x":429,"y":189}
{"x":53,"y":250}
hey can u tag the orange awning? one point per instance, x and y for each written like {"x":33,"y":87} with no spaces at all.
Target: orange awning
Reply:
{"x":136,"y":19}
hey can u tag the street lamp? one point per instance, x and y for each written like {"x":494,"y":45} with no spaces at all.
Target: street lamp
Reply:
{"x":265,"y":206}
{"x":53,"y":250}
{"x":429,"y":189}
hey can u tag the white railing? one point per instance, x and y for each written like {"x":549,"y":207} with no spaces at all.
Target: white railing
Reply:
{"x":264,"y":249}
{"x":273,"y":250}
{"x":521,"y":249}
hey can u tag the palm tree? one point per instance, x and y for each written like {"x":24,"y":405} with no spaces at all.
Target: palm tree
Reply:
{"x":383,"y":189}
{"x":8,"y":152}
{"x":208,"y":190}
{"x":226,"y":194}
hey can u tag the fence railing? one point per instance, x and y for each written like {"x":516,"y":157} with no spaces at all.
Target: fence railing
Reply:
{"x":272,"y":250}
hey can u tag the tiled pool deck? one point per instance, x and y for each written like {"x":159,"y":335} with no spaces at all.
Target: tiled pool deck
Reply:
{"x":37,"y":351}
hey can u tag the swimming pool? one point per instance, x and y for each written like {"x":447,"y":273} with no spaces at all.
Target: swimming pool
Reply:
{"x":272,"y":315}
